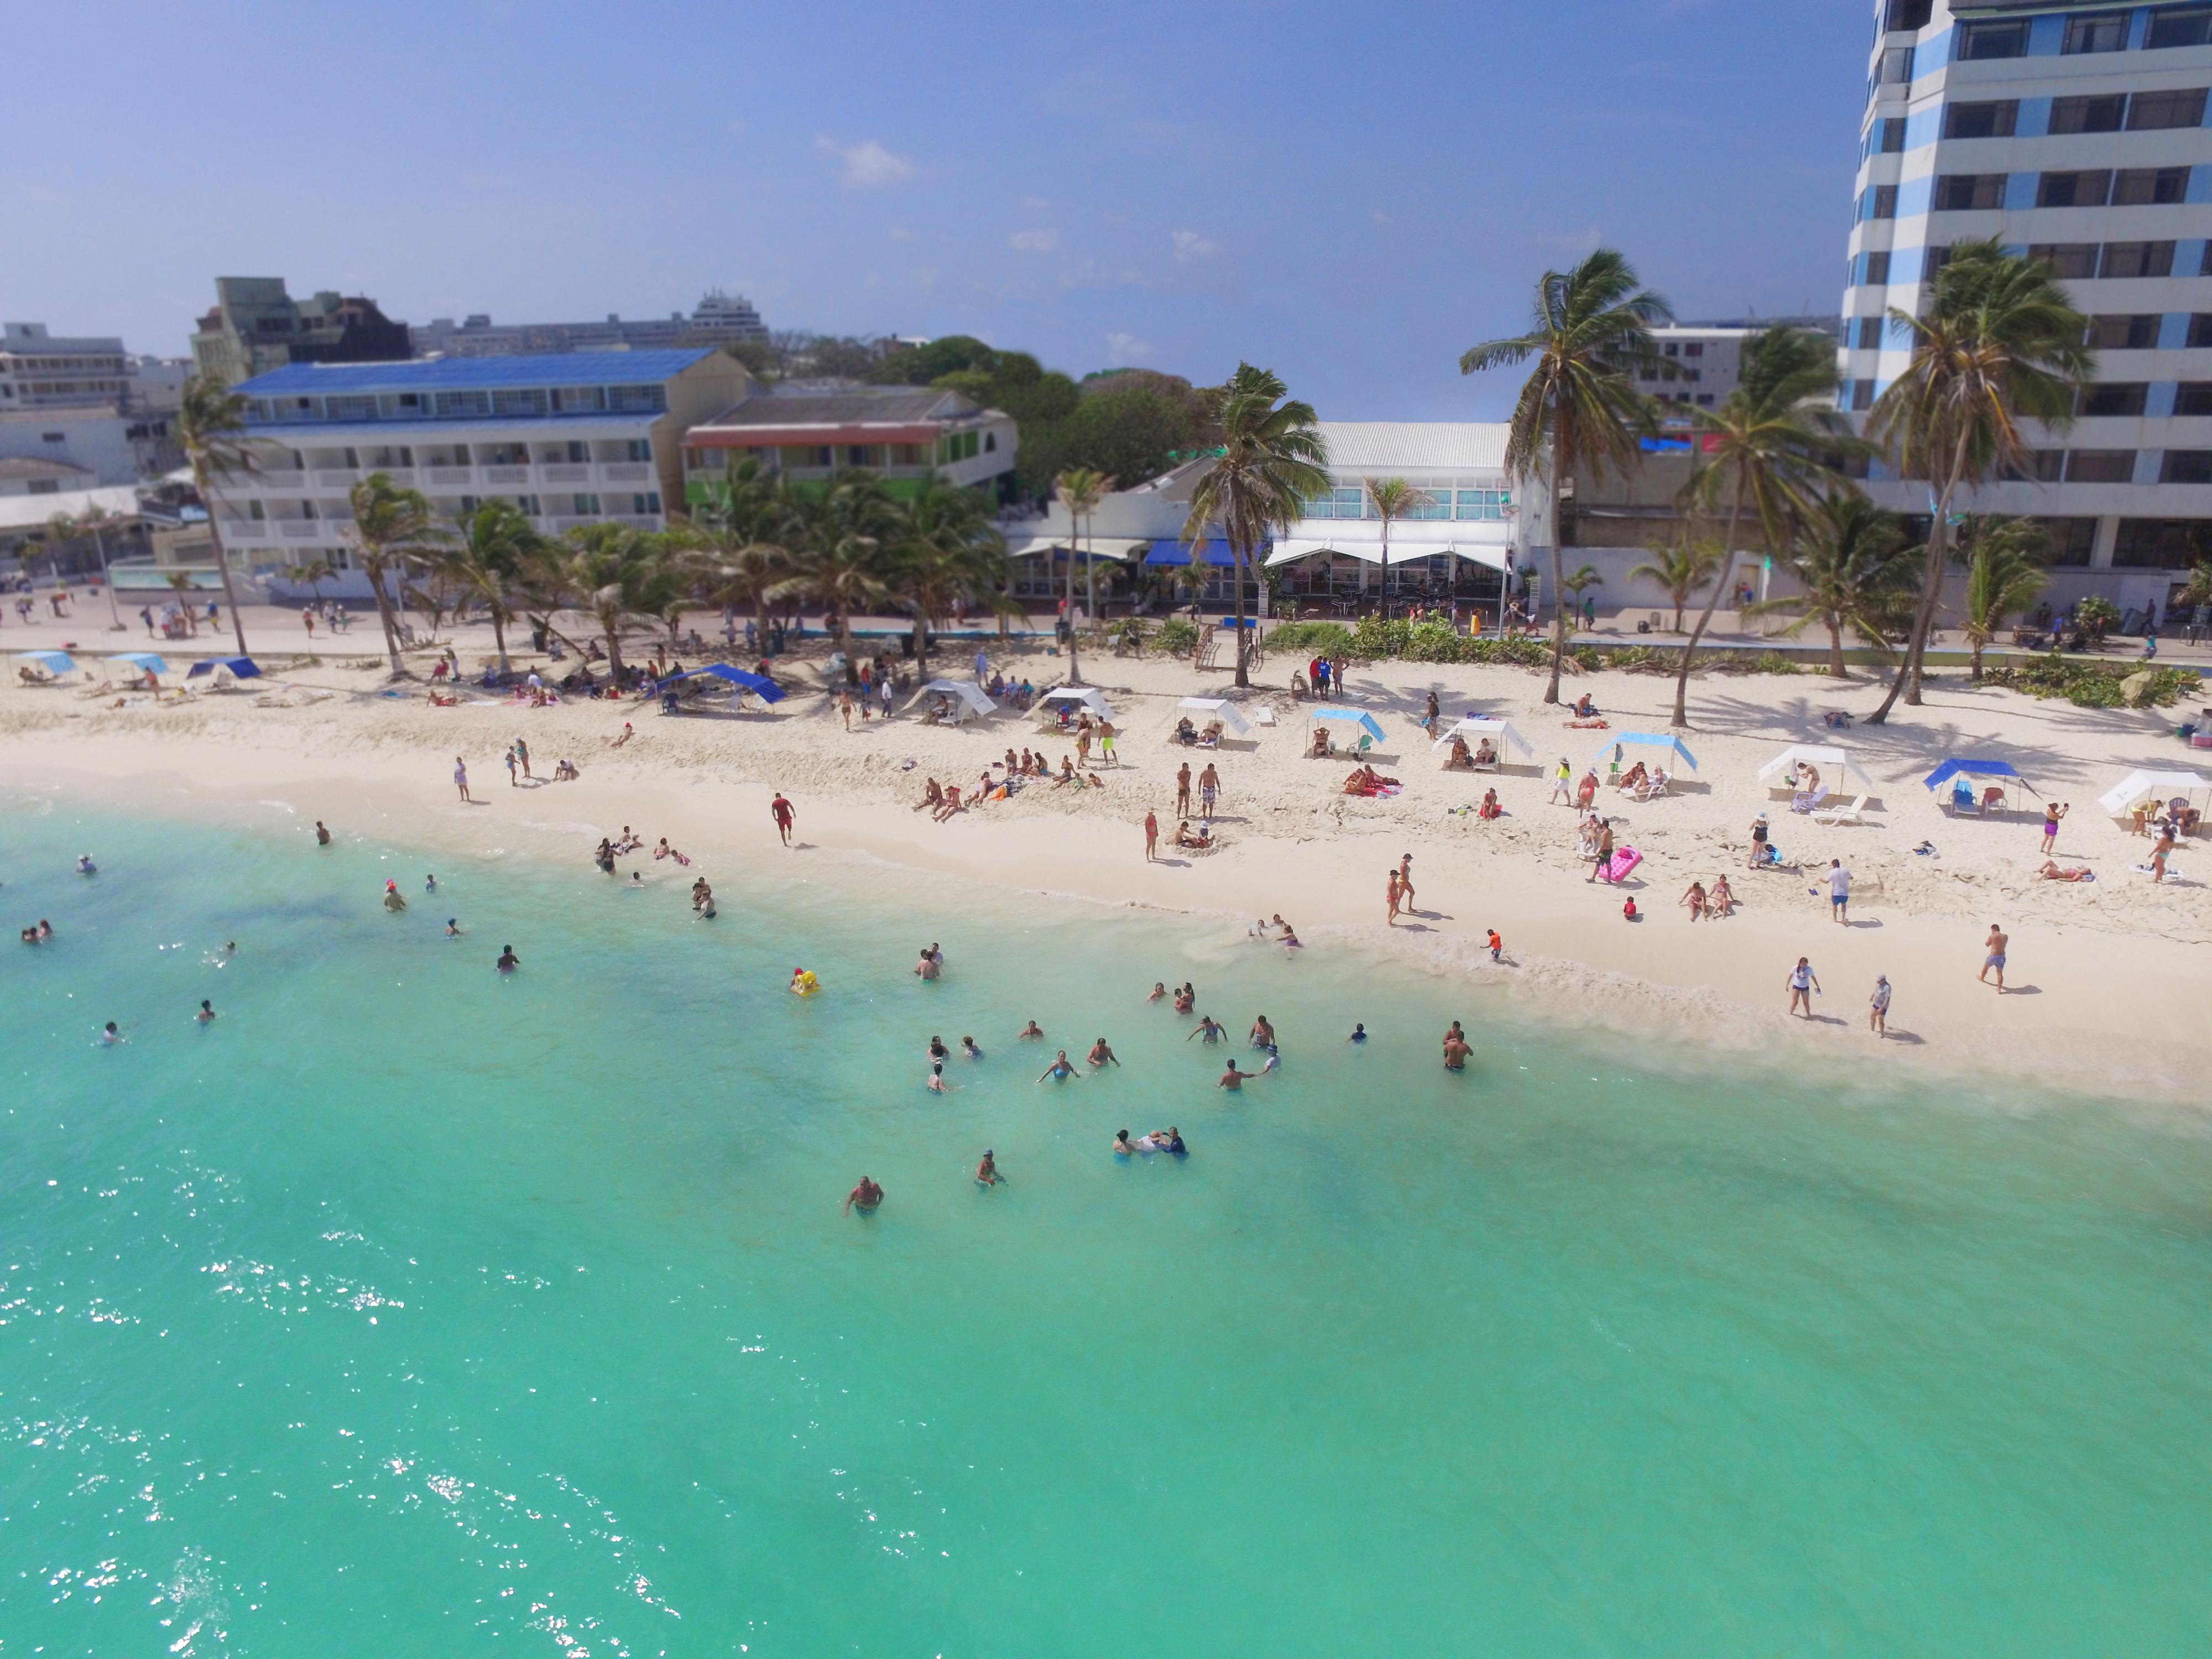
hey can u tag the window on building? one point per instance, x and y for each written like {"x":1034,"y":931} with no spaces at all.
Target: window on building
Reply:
{"x":578,"y":400}
{"x":2180,"y":26}
{"x":588,"y":506}
{"x":1970,"y":191}
{"x":1877,"y":268}
{"x":2128,"y":333}
{"x":1861,"y":395}
{"x":2066,"y":190}
{"x":1980,"y":40}
{"x":2199,"y":329}
{"x":2099,"y":32}
{"x":1869,"y":334}
{"x":463,"y":402}
{"x":636,"y":398}
{"x":1896,"y":67}
{"x":2115,"y":397}
{"x":2103,"y":113}
{"x":2072,"y":540}
{"x":2162,"y":543}
{"x":518,"y":400}
{"x":62,"y":437}
{"x":352,"y":409}
{"x":1693,"y":349}
{"x":2186,"y":466}
{"x":1933,"y":261}
{"x":1892,"y":135}
{"x":2149,"y":186}
{"x":1885,"y":202}
{"x":1902,"y":16}
{"x":2101,"y":466}
{"x":2193,"y":397}
{"x":2044,"y":466}
{"x":44,"y":487}
{"x":2138,"y":260}
{"x":2151,"y":111}
{"x":1989,"y":120}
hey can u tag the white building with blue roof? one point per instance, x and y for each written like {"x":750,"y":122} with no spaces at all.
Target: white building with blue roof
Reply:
{"x":574,"y":439}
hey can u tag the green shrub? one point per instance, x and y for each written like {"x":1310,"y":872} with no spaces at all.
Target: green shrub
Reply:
{"x":1583,"y":659}
{"x":1742,"y":662}
{"x":1375,"y":639}
{"x":1178,"y":637}
{"x":1643,"y":659}
{"x":1311,"y":639}
{"x":2095,"y":684}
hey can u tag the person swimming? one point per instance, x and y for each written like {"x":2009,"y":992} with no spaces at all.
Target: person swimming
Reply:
{"x":1061,"y":1070}
{"x":937,"y":1083}
{"x":1208,"y":1028}
{"x":453,"y":926}
{"x":1185,"y":998}
{"x":938,"y":1051}
{"x":110,"y":1034}
{"x":1159,"y":990}
{"x":987,"y":1171}
{"x":968,"y":1048}
{"x":1358,"y":1032}
{"x":85,"y":867}
{"x":430,"y":884}
{"x":206,"y":1014}
{"x":392,"y":901}
{"x":508,"y":962}
{"x":1232,"y":1079}
{"x":1101,"y":1056}
{"x":1031,"y":1032}
{"x":1123,"y":1147}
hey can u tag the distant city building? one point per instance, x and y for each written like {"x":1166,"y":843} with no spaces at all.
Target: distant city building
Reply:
{"x":718,"y":319}
{"x":33,"y":476}
{"x":83,"y":401}
{"x":257,"y":327}
{"x":2075,"y":132}
{"x":807,"y":433}
{"x":38,"y":370}
{"x":574,"y":439}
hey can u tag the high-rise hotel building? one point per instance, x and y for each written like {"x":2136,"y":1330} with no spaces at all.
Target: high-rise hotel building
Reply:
{"x":2076,"y":133}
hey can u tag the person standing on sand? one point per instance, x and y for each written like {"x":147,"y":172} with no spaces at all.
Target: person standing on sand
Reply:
{"x":1406,"y":879}
{"x":1106,"y":743}
{"x":322,"y":835}
{"x":1152,"y":836}
{"x":1601,"y":858}
{"x":461,"y":778}
{"x":1758,"y":839}
{"x":845,"y":707}
{"x":1803,"y":981}
{"x":2052,"y":814}
{"x":2161,"y":851}
{"x":1839,"y":891}
{"x":785,"y":816}
{"x":522,"y":754}
{"x":1563,"y":784}
{"x":1209,"y":791}
{"x":1182,"y":791}
{"x":510,"y":766}
{"x":1391,"y":896}
{"x":1994,"y":947}
{"x":1878,"y":1006}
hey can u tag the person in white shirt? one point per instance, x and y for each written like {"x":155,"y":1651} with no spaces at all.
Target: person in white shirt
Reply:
{"x":1878,"y":1006}
{"x":1839,"y":891}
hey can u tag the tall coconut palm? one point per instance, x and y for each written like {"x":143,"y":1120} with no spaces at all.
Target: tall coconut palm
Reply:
{"x":2005,"y":561}
{"x":844,"y":561}
{"x":1850,"y":563}
{"x":315,"y":573}
{"x":1272,"y":462}
{"x":950,"y":550}
{"x":392,"y":526}
{"x":210,"y":427}
{"x":491,"y":562}
{"x":615,"y":574}
{"x":2002,"y":342}
{"x":1579,"y":412}
{"x":1391,"y":499}
{"x":746,"y":525}
{"x":1682,"y":567}
{"x":1772,"y":447}
{"x":1080,"y":490}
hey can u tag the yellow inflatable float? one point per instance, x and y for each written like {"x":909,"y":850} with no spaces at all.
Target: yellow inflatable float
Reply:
{"x":802,"y":982}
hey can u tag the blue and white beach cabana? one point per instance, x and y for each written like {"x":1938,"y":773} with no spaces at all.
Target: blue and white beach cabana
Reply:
{"x":1667,"y":741}
{"x":238,"y":668}
{"x":1961,"y":774}
{"x":744,"y":680}
{"x":144,"y":661}
{"x":1358,"y":718}
{"x":57,"y":663}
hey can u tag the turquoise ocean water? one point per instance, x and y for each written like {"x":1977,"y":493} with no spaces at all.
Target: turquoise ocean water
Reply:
{"x":407,"y":1309}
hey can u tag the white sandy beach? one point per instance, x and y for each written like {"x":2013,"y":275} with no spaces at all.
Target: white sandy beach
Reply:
{"x":2103,"y":993}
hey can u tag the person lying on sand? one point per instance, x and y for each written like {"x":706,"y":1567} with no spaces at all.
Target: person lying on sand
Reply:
{"x":2050,"y":871}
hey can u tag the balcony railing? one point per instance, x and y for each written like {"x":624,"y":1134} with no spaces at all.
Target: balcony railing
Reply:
{"x":336,"y":475}
{"x":506,"y":475}
{"x":566,"y":472}
{"x":245,"y":529}
{"x":300,"y":530}
{"x":627,"y":471}
{"x":451,"y":474}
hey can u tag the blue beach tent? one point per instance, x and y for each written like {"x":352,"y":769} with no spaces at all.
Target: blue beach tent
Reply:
{"x":761,"y":687}
{"x":1671,"y":743}
{"x":1971,"y":769}
{"x":241,"y":668}
{"x":1358,"y":717}
{"x":143,"y":660}
{"x":54,"y":662}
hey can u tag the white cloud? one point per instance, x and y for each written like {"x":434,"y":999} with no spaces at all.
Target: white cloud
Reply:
{"x":1575,"y":242}
{"x":1034,"y":241}
{"x":1126,"y":346}
{"x":1189,"y":245}
{"x":868,"y":164}
{"x":899,"y":233}
{"x":1035,"y":203}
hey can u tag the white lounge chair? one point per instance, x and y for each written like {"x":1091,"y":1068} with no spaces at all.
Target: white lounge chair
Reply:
{"x":1804,"y":802}
{"x":1850,"y":814}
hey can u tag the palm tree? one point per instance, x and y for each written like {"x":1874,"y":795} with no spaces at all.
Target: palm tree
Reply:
{"x":1574,"y":584}
{"x":1774,"y":443}
{"x":315,"y":573}
{"x":1393,"y":499}
{"x":2004,"y":559}
{"x":492,"y":561}
{"x":2000,"y":343}
{"x":1272,"y":462}
{"x":211,"y":426}
{"x":845,"y":559}
{"x":92,"y":523}
{"x":615,"y":574}
{"x":1591,"y":332}
{"x":1081,"y":488}
{"x":950,"y":550}
{"x":747,"y":524}
{"x":1681,"y":567}
{"x":1849,"y":558}
{"x":180,"y":584}
{"x":391,"y":527}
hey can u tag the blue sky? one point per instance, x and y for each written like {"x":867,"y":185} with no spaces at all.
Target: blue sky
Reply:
{"x":1350,"y":195}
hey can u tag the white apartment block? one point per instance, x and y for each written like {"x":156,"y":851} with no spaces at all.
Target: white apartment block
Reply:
{"x":2076,"y":133}
{"x":574,"y":439}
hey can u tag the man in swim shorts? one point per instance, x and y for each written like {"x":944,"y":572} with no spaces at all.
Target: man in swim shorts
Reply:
{"x":508,"y":962}
{"x":1232,"y":1079}
{"x":1456,"y":1053}
{"x":926,"y":968}
{"x":1995,"y":946}
{"x":863,"y":1197}
{"x":1101,"y":1056}
{"x":785,"y":816}
{"x":1878,"y":1006}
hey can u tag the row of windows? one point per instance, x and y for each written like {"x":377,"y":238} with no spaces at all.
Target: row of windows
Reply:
{"x":583,"y":504}
{"x":513,"y":400}
{"x":2145,"y":111}
{"x":1974,"y":192}
{"x":2069,"y":262}
{"x":1349,"y":501}
{"x":2099,"y":32}
{"x":12,"y":363}
{"x":2131,"y":332}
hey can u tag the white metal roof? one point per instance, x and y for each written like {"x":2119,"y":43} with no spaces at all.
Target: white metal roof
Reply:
{"x":1384,"y":447}
{"x":28,"y":512}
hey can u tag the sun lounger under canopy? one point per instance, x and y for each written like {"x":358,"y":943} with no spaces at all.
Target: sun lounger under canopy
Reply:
{"x":968,"y":698}
{"x":241,"y":668}
{"x":761,"y":687}
{"x":1667,"y":741}
{"x":1971,"y":769}
{"x":54,"y":662}
{"x":1221,"y":710}
{"x":1358,"y":717}
{"x":2140,"y":786}
{"x":1821,"y":755}
{"x":1086,"y":696}
{"x":145,"y":661}
{"x":1475,"y":727}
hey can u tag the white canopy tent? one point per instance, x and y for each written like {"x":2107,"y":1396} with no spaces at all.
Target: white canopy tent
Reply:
{"x":1219,"y":708}
{"x":1475,"y":727}
{"x":1484,"y":545}
{"x":967,"y":699}
{"x":1823,"y":756}
{"x":1075,"y":696}
{"x":2121,"y":799}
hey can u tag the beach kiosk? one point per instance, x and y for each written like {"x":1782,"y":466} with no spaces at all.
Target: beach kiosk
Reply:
{"x":1476,"y":727}
{"x":964,"y":700}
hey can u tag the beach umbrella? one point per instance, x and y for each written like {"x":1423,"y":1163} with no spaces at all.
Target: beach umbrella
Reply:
{"x":145,"y":660}
{"x":241,"y":668}
{"x":1667,"y":741}
{"x":54,"y":662}
{"x":1358,"y":717}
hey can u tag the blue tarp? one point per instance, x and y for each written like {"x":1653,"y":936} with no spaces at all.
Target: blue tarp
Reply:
{"x":1969,"y":768}
{"x":54,"y":662}
{"x":241,"y":668}
{"x":766,"y":689}
{"x":1172,"y":551}
{"x":1655,"y":739}
{"x":1358,"y":717}
{"x":145,"y":660}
